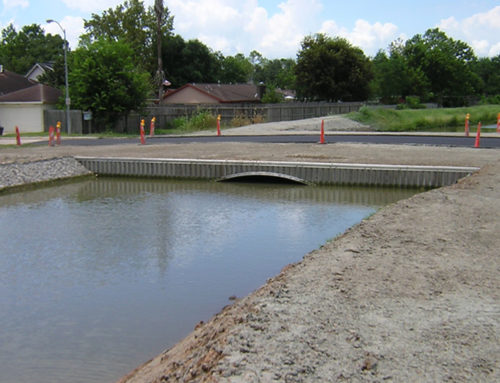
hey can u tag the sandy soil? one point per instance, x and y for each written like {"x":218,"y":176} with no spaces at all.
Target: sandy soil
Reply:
{"x":410,"y":294}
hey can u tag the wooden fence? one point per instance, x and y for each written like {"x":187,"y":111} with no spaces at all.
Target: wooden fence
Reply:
{"x":165,"y":114}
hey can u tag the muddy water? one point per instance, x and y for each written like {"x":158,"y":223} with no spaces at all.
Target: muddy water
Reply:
{"x":98,"y":276}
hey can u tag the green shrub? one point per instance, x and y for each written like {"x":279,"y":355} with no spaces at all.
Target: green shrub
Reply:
{"x":203,"y":120}
{"x":413,"y":102}
{"x":271,"y":96}
{"x":485,"y":100}
{"x":178,"y":123}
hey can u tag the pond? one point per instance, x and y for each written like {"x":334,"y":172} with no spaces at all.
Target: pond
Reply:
{"x":99,"y":276}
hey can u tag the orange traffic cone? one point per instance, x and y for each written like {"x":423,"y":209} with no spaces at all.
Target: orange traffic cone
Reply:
{"x":152,"y":127}
{"x":143,"y":139}
{"x":478,"y":135}
{"x":58,"y":133}
{"x":218,"y":125}
{"x":467,"y":116}
{"x":18,"y":137}
{"x":322,"y":137}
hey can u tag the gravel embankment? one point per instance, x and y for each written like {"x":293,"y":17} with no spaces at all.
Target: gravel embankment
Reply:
{"x":18,"y":174}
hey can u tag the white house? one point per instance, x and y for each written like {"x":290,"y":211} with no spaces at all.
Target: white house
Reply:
{"x":24,"y":108}
{"x":39,"y":69}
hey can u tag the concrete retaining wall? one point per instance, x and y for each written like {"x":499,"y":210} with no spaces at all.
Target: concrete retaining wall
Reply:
{"x":316,"y":173}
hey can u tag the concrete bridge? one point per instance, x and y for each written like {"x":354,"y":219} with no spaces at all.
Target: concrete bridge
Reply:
{"x":299,"y":172}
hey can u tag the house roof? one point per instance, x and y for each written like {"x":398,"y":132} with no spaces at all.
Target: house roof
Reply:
{"x":224,"y":93}
{"x":288,"y":94}
{"x":35,"y":93}
{"x":42,"y":67}
{"x":11,"y":82}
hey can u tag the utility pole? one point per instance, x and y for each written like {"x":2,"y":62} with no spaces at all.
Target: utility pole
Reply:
{"x":159,"y":10}
{"x":68,"y":101}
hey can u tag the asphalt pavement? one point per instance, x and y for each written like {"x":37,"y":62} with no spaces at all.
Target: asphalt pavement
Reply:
{"x":390,"y":139}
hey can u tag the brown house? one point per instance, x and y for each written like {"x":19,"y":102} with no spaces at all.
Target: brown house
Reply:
{"x":214,"y":94}
{"x":10,"y":81}
{"x":40,"y":93}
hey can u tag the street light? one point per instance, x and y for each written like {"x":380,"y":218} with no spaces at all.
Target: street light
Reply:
{"x":68,"y":120}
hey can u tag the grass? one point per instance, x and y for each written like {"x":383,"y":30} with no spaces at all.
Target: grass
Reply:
{"x":37,"y":134}
{"x":14,"y":146}
{"x":202,"y":120}
{"x":433,"y":120}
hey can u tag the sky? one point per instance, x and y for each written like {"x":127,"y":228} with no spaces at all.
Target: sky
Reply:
{"x":275,"y":28}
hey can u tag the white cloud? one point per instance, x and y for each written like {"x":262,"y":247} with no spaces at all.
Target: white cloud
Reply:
{"x":243,"y":26}
{"x":368,"y":37}
{"x":16,"y":3}
{"x":449,"y":23}
{"x":495,"y":50}
{"x":72,"y":25}
{"x":480,"y":45}
{"x":203,"y":14}
{"x":481,"y":31}
{"x":284,"y":31}
{"x":234,"y":27}
{"x":258,"y":18}
{"x":330,"y":27}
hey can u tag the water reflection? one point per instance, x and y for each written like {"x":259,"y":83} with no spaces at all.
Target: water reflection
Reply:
{"x":100,"y":275}
{"x":111,"y":187}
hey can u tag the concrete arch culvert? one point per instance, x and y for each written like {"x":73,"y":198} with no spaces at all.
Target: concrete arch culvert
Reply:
{"x":269,"y":177}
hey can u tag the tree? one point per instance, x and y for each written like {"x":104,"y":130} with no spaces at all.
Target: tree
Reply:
{"x":190,"y":61}
{"x":277,"y":73}
{"x":105,"y":80}
{"x":394,"y":79}
{"x":132,"y":23}
{"x":19,"y":51}
{"x":332,"y":69}
{"x":199,"y":62}
{"x":445,"y":64}
{"x":285,"y":78}
{"x":271,"y":96}
{"x":55,"y":77}
{"x":235,"y":69}
{"x":488,"y":69}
